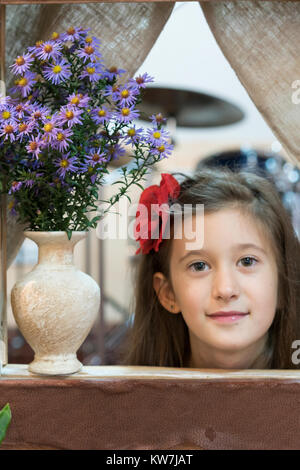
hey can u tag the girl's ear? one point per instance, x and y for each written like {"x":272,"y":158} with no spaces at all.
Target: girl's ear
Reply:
{"x":165,"y":293}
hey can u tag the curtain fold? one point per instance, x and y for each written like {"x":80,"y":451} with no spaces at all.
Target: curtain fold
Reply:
{"x":127,"y":32}
{"x":260,"y":40}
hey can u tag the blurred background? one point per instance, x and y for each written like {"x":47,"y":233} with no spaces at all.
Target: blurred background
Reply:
{"x":211,"y":120}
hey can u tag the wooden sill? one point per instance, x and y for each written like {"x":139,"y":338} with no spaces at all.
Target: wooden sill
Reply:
{"x":153,"y":408}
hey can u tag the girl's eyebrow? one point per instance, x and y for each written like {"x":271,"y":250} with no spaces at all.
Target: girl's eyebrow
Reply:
{"x":239,"y":246}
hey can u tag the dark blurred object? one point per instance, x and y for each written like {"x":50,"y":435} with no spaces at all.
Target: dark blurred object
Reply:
{"x":19,"y":351}
{"x":284,"y":175}
{"x":189,"y":108}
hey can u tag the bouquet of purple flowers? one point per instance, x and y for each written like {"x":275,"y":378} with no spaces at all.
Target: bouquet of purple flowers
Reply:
{"x":66,"y":119}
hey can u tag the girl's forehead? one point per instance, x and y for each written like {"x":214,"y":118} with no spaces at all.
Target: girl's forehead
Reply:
{"x":223,"y":229}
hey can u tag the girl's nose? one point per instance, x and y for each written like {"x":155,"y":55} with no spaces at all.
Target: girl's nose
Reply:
{"x":225,"y":285}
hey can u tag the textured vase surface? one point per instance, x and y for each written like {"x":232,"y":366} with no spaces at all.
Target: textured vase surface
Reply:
{"x":55,"y":305}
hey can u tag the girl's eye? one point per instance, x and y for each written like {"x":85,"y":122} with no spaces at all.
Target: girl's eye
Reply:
{"x":198,"y":266}
{"x":249,"y":261}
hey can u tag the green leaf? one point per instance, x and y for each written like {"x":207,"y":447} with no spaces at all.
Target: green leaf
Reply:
{"x":69,"y":233}
{"x":5,"y":418}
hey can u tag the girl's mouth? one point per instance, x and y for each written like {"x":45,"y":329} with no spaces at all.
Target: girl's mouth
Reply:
{"x":228,"y":317}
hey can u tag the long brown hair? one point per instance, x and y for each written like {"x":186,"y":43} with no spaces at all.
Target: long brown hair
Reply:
{"x":160,"y":338}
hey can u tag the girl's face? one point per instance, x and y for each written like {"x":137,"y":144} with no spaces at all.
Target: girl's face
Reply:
{"x":235,"y":270}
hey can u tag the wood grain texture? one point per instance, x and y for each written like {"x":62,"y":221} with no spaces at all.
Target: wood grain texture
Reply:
{"x":152,"y":408}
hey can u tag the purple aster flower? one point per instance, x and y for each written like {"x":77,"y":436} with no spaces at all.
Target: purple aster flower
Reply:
{"x":126,"y":95}
{"x":8,"y":131}
{"x":58,"y":72}
{"x":49,"y":50}
{"x":114,"y":151}
{"x":65,"y":164}
{"x":15,"y":186}
{"x":56,"y":37}
{"x":38,"y":112}
{"x":50,"y":128}
{"x":22,"y":109}
{"x":35,"y":49}
{"x":25,"y":83}
{"x":89,"y":53}
{"x":78,"y":100}
{"x":69,"y":114}
{"x":112,"y":73}
{"x":8,"y":115}
{"x":95,"y":157}
{"x":134,"y":135}
{"x":25,"y":129}
{"x":91,"y":41}
{"x":156,"y":136}
{"x":110,"y":89}
{"x":92,"y":71}
{"x":157,"y":119}
{"x":100,"y":115}
{"x":127,"y":114}
{"x":22,"y":64}
{"x":35,"y":145}
{"x":61,"y":140}
{"x":28,"y":183}
{"x":74,"y":34}
{"x":4,"y":101}
{"x":163,"y":150}
{"x":141,"y":80}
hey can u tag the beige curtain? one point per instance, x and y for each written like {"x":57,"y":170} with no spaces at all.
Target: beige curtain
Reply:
{"x":127,"y":31}
{"x":260,"y":40}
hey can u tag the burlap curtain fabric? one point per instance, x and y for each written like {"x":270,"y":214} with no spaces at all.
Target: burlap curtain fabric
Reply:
{"x":260,"y":40}
{"x":127,"y":31}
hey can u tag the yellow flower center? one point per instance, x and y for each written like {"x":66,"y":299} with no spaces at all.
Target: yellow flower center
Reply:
{"x":125,"y":111}
{"x":19,"y":107}
{"x":90,"y":70}
{"x":88,"y":39}
{"x":55,"y":35}
{"x":48,"y":127}
{"x":131,"y":132}
{"x":6,"y":114}
{"x":23,"y":81}
{"x":89,"y":50}
{"x":90,"y":169}
{"x":124,"y":93}
{"x":69,"y":114}
{"x":60,"y":136}
{"x":161,"y":148}
{"x":57,"y":69}
{"x":22,"y":127}
{"x":37,"y":115}
{"x":8,"y":129}
{"x":33,"y":145}
{"x":39,"y":43}
{"x":71,"y":30}
{"x":101,"y":112}
{"x":96,"y":157}
{"x":20,"y":60}
{"x":48,"y":48}
{"x":75,"y":100}
{"x":64,"y":163}
{"x":156,"y":135}
{"x":113,"y":69}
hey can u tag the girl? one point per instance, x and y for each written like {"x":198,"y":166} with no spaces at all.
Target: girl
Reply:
{"x":233,"y":304}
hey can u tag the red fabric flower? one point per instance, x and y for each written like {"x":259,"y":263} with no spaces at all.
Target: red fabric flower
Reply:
{"x":168,"y":188}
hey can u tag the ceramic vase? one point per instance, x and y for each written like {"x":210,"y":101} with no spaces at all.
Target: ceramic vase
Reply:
{"x":55,"y":305}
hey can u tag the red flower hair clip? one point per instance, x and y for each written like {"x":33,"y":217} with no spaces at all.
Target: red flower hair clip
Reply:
{"x":150,"y":200}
